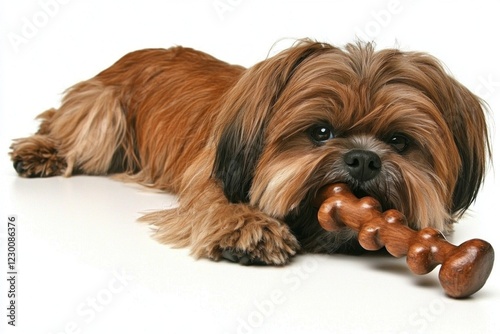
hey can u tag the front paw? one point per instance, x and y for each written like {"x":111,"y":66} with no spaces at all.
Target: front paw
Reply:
{"x":258,"y":242}
{"x":240,"y":257}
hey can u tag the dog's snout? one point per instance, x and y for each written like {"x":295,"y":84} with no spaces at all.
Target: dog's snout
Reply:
{"x":362,"y":165}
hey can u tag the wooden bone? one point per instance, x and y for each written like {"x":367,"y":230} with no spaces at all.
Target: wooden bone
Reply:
{"x":464,"y":268}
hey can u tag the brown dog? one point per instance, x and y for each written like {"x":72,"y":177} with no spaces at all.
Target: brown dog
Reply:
{"x":246,"y":150}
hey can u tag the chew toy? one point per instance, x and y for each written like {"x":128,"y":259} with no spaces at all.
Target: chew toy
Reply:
{"x":464,"y":268}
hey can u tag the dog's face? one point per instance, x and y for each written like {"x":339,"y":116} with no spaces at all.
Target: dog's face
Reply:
{"x":392,"y":125}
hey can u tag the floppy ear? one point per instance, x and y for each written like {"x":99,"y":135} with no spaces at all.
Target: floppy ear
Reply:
{"x":245,"y":113}
{"x":468,"y":123}
{"x":465,"y":117}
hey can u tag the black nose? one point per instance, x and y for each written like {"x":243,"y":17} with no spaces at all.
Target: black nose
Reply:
{"x":362,"y":165}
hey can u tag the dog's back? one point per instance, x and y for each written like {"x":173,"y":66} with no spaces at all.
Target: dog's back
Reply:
{"x":113,"y":122}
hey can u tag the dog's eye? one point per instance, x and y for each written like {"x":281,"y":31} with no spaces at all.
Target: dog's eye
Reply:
{"x":399,"y":142}
{"x":321,"y":133}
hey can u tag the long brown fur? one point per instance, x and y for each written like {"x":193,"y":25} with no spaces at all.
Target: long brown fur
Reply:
{"x":236,"y":144}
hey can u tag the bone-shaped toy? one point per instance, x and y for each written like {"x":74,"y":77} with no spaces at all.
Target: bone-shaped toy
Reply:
{"x":464,"y":268}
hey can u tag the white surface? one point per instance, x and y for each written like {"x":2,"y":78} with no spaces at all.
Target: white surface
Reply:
{"x":86,"y":266}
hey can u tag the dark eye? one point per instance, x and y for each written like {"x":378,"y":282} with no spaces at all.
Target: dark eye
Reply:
{"x":399,"y":142}
{"x":321,"y":133}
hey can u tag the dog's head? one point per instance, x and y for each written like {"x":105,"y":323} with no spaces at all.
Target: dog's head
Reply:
{"x":393,"y":125}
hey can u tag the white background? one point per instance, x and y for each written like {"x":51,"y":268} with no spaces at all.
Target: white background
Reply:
{"x":86,"y":265}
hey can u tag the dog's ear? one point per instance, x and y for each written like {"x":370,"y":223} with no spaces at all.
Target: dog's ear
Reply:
{"x":465,"y":116}
{"x":467,"y":121}
{"x":245,"y":113}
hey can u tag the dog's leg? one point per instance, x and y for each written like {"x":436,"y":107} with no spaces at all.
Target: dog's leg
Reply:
{"x":214,"y":228}
{"x":82,"y":136}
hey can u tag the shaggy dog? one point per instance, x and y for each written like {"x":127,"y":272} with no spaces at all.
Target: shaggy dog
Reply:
{"x":246,"y":150}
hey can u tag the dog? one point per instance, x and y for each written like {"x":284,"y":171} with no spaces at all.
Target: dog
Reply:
{"x":247,"y":150}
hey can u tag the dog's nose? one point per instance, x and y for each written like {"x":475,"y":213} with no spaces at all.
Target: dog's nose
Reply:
{"x":362,"y":165}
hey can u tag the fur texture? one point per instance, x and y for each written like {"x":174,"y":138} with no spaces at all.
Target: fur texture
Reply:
{"x":246,"y":150}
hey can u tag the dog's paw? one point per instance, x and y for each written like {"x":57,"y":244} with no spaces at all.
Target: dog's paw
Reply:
{"x":240,"y":257}
{"x":258,"y":243}
{"x":36,"y":157}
